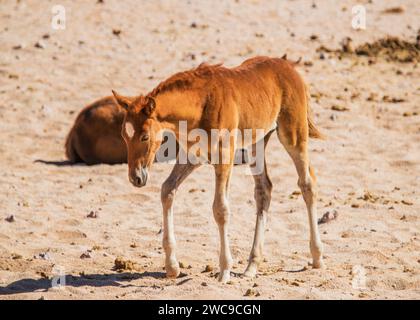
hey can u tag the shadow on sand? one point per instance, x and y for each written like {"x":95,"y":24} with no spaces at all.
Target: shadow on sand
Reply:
{"x":92,"y":280}
{"x":59,"y":163}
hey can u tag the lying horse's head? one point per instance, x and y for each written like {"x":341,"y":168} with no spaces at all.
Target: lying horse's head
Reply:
{"x":141,"y":133}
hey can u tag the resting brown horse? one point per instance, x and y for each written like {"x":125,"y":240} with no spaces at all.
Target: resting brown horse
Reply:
{"x":96,"y":134}
{"x":261,"y":94}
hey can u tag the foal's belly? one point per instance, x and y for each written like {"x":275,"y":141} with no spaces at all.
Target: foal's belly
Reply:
{"x":247,"y":136}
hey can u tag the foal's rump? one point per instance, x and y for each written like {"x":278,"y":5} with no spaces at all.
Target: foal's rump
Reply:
{"x":279,"y":98}
{"x":255,"y":94}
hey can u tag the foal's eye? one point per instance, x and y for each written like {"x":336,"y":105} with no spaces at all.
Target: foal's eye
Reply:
{"x":144,"y":137}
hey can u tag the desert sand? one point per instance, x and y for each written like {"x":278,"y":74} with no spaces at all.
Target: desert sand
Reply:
{"x":368,"y":169}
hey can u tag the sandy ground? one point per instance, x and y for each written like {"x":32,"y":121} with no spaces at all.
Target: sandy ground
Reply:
{"x":368,"y":169}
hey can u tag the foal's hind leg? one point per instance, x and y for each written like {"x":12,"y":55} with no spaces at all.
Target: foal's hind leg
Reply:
{"x":262,"y":195}
{"x":295,"y":142}
{"x":179,"y":173}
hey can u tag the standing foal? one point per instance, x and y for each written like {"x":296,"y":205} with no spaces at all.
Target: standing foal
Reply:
{"x":262,"y":93}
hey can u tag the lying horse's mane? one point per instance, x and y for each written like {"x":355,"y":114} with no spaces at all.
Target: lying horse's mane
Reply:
{"x":184,"y":80}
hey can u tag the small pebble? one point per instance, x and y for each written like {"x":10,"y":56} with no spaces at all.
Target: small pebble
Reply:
{"x":328,"y":216}
{"x":16,"y":256}
{"x":43,"y":256}
{"x":249,"y":293}
{"x":39,"y":45}
{"x":116,"y":32}
{"x":86,"y":255}
{"x":208,"y":268}
{"x":92,"y":214}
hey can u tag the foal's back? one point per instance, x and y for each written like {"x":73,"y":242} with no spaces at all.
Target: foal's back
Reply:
{"x":252,"y":94}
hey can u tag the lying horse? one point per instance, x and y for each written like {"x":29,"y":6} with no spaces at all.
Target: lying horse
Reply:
{"x":262,"y":93}
{"x":96,"y":134}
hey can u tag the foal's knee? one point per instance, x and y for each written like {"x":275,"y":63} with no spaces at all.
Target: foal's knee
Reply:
{"x":308,"y":187}
{"x":307,"y":182}
{"x":220,"y":212}
{"x":167,"y":193}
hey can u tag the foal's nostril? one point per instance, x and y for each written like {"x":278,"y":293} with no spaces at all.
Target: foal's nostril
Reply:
{"x":138,"y":181}
{"x":138,"y":177}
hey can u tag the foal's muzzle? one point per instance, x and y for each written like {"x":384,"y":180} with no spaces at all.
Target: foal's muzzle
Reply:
{"x":138,"y":177}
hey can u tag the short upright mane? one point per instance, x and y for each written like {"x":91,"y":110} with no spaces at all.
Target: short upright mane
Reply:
{"x":184,"y":80}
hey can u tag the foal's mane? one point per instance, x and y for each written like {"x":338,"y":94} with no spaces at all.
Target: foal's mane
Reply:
{"x":185,"y":79}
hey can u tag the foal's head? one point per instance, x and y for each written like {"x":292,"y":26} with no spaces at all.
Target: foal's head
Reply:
{"x":141,"y":133}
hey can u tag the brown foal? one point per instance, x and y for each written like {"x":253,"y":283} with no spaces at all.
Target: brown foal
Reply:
{"x":262,"y":93}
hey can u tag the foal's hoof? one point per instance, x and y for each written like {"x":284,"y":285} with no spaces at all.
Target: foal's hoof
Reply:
{"x":319,"y":264}
{"x":251,"y":271}
{"x":172,"y":272}
{"x":224,"y":276}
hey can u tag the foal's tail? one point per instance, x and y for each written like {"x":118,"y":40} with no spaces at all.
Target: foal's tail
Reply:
{"x":71,"y":153}
{"x":313,"y":130}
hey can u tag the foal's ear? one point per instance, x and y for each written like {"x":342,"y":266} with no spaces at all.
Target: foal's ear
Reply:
{"x":122,"y":101}
{"x":150,"y":106}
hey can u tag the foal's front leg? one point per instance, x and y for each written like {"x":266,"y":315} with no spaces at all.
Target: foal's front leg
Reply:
{"x":169,"y":187}
{"x":221,"y":215}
